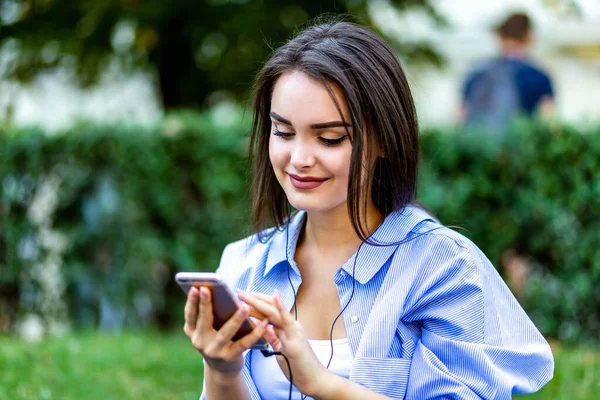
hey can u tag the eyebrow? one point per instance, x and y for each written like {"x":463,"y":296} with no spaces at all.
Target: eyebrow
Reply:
{"x":323,"y":125}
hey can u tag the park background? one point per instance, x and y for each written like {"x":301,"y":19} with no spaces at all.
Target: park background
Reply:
{"x":123,"y":130}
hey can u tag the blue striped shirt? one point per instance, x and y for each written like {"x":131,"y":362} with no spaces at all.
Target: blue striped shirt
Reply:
{"x":430,"y":317}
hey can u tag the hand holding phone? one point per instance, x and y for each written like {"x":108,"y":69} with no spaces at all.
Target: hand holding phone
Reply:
{"x":224,"y":304}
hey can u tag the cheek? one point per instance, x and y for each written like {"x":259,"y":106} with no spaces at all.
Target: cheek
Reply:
{"x":341,"y":163}
{"x":276,"y":153}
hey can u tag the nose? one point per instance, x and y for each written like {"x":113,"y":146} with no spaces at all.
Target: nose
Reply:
{"x":302,"y":155}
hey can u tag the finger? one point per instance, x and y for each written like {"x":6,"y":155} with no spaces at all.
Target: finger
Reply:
{"x":255,"y":314}
{"x":254,"y":321}
{"x":286,"y":316}
{"x":253,"y":311}
{"x":268,"y":299}
{"x":190,"y":311}
{"x":205,"y":314}
{"x":269,"y":334}
{"x":247,"y":341}
{"x":266,"y":308}
{"x":258,"y":295}
{"x":260,"y":305}
{"x":272,"y":338}
{"x":233,"y":324}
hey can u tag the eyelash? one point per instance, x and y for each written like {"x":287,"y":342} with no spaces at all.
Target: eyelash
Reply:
{"x":326,"y":142}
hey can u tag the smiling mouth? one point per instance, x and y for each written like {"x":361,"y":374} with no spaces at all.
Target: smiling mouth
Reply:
{"x":306,"y":182}
{"x":307,"y":178}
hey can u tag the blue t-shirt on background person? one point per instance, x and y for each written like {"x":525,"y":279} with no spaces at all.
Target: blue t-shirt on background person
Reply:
{"x":503,"y":88}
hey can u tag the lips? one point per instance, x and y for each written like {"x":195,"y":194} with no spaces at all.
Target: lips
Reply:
{"x":306,"y":182}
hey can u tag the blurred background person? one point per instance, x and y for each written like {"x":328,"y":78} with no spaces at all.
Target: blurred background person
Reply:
{"x":510,"y":85}
{"x":500,"y":90}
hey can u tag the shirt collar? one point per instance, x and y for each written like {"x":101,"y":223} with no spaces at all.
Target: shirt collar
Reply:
{"x":389,"y":235}
{"x":371,"y":257}
{"x":285,"y":237}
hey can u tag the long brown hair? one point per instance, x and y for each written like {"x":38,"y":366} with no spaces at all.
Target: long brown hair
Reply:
{"x":367,"y":71}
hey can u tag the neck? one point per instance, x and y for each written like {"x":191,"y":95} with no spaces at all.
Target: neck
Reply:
{"x":333,"y":231}
{"x":514,"y":49}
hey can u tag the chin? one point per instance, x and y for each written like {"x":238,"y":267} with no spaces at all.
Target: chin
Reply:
{"x":306,"y":205}
{"x":312,"y":205}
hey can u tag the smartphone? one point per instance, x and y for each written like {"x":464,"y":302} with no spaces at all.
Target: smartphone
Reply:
{"x":224,"y":304}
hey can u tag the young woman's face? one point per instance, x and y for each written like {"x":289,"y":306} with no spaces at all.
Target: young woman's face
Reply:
{"x":309,"y":145}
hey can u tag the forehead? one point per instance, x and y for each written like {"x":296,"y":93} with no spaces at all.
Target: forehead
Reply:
{"x":304,"y":101}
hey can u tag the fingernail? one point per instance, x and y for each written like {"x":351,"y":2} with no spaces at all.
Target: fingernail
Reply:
{"x":203,"y":294}
{"x":275,"y":292}
{"x":193,"y":292}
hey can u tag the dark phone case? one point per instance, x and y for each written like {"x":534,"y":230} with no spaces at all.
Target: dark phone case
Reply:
{"x":225,"y":310}
{"x":223,"y":306}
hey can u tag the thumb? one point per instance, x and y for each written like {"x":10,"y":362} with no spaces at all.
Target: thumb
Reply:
{"x":272,"y":338}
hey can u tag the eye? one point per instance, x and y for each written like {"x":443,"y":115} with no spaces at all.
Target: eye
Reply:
{"x":281,"y":134}
{"x":332,"y":142}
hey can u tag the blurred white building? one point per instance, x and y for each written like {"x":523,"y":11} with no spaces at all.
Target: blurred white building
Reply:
{"x":567,"y":47}
{"x":55,"y":102}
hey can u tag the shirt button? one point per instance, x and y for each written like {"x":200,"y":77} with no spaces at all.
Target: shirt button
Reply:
{"x":343,"y":273}
{"x":354,"y":318}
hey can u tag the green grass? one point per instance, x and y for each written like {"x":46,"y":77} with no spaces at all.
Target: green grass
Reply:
{"x":101,"y":366}
{"x":576,"y":376}
{"x":150,"y":366}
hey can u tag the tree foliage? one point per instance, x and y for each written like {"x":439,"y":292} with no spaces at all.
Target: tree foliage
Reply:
{"x":194,"y":47}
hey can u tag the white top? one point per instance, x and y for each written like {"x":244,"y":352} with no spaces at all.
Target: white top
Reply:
{"x":272,"y":383}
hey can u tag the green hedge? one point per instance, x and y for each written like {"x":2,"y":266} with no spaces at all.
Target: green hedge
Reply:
{"x":537,"y":192}
{"x":136,"y":205}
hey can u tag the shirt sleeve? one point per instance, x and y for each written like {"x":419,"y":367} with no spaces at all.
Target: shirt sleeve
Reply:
{"x":246,"y":373}
{"x":546,"y":88}
{"x":467,"y":87}
{"x":476,"y":341}
{"x":535,"y":85}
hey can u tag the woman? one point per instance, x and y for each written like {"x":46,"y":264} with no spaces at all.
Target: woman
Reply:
{"x":358,"y":280}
